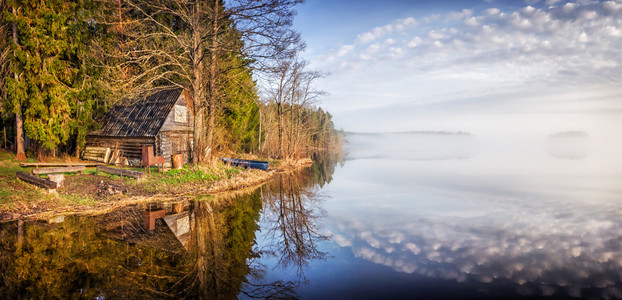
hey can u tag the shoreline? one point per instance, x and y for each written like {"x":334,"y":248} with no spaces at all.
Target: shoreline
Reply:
{"x":247,"y":179}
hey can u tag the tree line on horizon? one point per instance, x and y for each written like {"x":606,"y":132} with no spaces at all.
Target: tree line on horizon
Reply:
{"x":65,"y":63}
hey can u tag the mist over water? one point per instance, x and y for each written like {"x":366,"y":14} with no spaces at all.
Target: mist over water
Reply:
{"x":507,"y":216}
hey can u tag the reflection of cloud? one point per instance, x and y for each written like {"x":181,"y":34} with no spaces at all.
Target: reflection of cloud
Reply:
{"x":534,"y":245}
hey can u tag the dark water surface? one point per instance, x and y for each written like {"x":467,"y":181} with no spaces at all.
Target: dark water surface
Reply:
{"x":403,"y":217}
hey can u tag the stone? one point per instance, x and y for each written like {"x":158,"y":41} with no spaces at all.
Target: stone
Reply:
{"x":58,"y":178}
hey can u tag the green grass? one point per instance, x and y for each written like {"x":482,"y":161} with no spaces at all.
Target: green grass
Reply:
{"x":80,"y":199}
{"x":4,"y":195}
{"x":232,"y":171}
{"x":187,"y":175}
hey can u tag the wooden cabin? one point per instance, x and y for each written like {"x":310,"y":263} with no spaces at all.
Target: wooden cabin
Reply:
{"x":163,"y":120}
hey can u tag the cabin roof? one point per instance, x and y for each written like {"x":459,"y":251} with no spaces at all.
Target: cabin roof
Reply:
{"x":142,"y":118}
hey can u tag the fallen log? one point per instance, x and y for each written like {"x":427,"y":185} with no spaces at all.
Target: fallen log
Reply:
{"x":128,"y":173}
{"x":38,"y":181}
{"x":78,"y":169}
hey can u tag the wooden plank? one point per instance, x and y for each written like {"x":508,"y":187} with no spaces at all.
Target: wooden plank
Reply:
{"x":107,"y":155}
{"x":79,"y":169}
{"x":25,"y":165}
{"x":128,"y":173}
{"x":38,"y":181}
{"x":96,"y":149}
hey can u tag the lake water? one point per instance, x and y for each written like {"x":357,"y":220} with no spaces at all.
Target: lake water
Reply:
{"x":401,"y":216}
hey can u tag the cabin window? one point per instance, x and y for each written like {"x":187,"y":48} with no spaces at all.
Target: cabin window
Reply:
{"x":181,"y":114}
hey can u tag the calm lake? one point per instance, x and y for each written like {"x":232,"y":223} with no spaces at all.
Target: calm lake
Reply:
{"x":400,"y":216}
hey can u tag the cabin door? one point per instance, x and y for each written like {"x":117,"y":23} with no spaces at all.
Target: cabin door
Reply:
{"x":179,"y":145}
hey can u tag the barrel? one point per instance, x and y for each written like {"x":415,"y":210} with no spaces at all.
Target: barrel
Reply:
{"x":178,"y":161}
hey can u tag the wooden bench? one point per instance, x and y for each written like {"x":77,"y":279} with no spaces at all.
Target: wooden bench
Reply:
{"x":37,"y":165}
{"x":78,"y":169}
{"x":38,"y":181}
{"x":121,"y":172}
{"x":96,"y":153}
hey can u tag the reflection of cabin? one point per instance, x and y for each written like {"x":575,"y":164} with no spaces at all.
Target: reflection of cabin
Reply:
{"x":163,"y":120}
{"x":162,"y":228}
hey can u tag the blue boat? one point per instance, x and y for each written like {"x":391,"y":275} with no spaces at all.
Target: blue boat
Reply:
{"x":254,"y":164}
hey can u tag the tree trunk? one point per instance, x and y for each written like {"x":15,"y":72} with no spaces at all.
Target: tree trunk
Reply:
{"x":213,"y":75}
{"x":19,"y":123}
{"x":198,"y":89}
{"x":259,"y":137}
{"x":199,"y":134}
{"x":279,"y":112}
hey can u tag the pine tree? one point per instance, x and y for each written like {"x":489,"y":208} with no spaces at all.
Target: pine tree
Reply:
{"x":53,"y":87}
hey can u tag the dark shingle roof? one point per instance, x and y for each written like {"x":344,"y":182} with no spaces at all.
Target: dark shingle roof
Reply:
{"x":143,"y":118}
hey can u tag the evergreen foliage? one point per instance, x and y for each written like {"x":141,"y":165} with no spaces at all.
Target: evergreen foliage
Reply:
{"x":50,"y":83}
{"x":72,"y":59}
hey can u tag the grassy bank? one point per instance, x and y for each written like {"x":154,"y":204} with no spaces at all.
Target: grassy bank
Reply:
{"x":91,"y":191}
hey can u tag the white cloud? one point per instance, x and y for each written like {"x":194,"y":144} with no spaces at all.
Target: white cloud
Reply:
{"x":444,"y":57}
{"x":437,"y":34}
{"x":569,"y":7}
{"x":405,"y":23}
{"x":552,"y":2}
{"x":465,"y":13}
{"x":492,"y":11}
{"x":414,"y":42}
{"x":378,"y":32}
{"x":612,"y":7}
{"x":345,"y":49}
{"x":472,"y":22}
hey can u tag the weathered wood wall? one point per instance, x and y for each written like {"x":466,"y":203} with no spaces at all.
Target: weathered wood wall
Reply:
{"x":176,"y":137}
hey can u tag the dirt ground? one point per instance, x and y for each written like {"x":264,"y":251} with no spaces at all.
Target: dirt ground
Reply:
{"x":90,"y":193}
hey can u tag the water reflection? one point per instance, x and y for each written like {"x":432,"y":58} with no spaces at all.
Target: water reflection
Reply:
{"x":194,"y":248}
{"x":552,"y":253}
{"x":501,"y":224}
{"x":291,"y":218}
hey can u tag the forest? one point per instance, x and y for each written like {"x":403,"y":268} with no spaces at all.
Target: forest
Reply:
{"x":65,"y":63}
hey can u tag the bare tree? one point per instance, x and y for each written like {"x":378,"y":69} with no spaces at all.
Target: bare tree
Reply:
{"x":177,"y":42}
{"x":291,"y":89}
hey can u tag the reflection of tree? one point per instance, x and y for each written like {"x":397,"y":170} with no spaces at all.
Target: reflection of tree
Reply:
{"x":292,"y":209}
{"x":324,"y":166}
{"x":114,"y":257}
{"x":76,"y":259}
{"x":224,"y":235}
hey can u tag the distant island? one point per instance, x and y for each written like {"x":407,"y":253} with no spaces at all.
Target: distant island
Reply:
{"x":408,"y":133}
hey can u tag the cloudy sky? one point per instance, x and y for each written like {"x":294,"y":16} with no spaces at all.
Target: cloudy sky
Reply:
{"x":478,"y":66}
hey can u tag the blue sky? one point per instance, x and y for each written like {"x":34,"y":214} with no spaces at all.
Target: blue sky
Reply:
{"x":479,"y":66}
